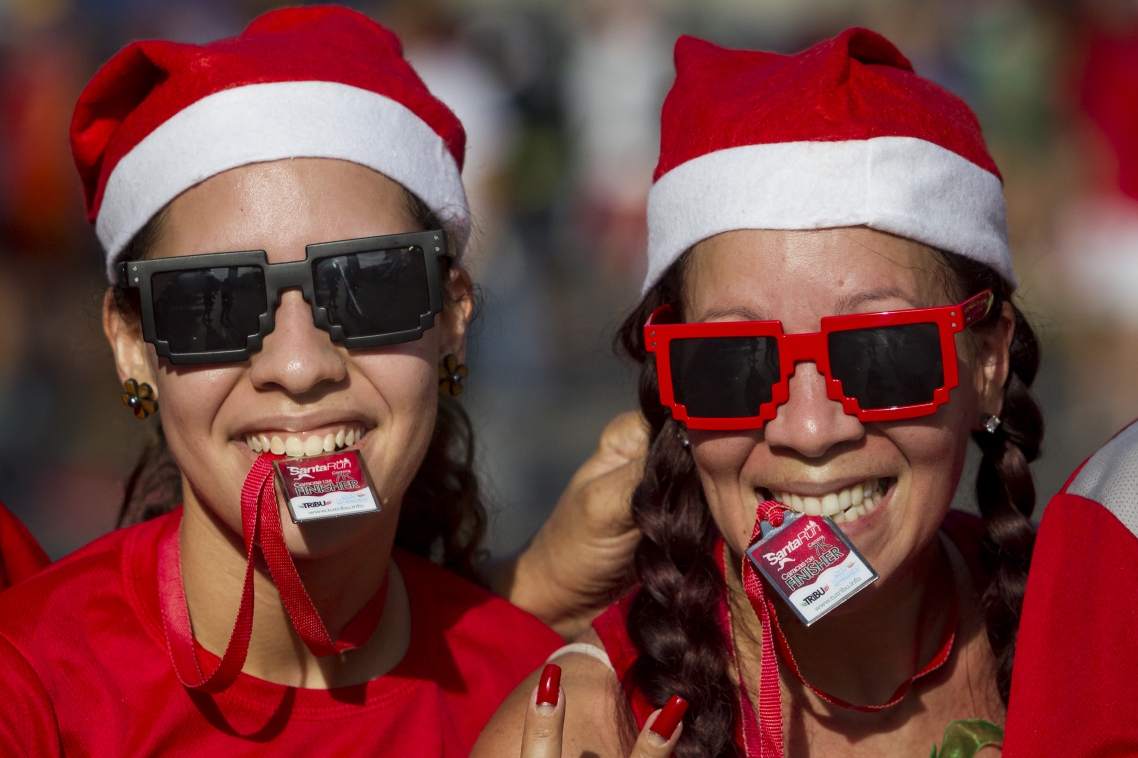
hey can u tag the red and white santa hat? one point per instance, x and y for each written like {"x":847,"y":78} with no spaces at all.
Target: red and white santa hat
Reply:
{"x":314,"y":82}
{"x":842,"y":134}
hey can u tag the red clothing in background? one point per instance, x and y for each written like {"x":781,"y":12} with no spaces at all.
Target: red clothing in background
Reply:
{"x":20,"y":554}
{"x":87,"y":672}
{"x":1075,"y":679}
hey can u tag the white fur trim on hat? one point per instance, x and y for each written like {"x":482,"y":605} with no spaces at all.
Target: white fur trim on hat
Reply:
{"x":902,"y":185}
{"x":266,"y":122}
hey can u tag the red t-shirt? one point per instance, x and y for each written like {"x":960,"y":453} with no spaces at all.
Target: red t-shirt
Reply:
{"x":20,"y":554}
{"x":86,"y":670}
{"x":1075,"y":679}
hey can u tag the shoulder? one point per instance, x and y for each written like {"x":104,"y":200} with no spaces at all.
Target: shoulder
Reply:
{"x":27,"y":721}
{"x":1110,"y":478}
{"x":63,"y":597}
{"x":475,"y":645}
{"x":470,"y":615}
{"x":595,"y":711}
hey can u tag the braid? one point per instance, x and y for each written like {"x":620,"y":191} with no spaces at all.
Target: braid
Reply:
{"x":1005,"y":491}
{"x":672,"y":620}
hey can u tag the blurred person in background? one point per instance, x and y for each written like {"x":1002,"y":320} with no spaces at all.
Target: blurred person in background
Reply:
{"x":1097,"y":238}
{"x":616,"y":77}
{"x":1075,"y":656}
{"x":837,"y":190}
{"x":308,"y":128}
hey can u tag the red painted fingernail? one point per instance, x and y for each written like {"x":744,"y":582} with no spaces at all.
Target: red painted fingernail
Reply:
{"x":549,"y":685}
{"x":669,"y":717}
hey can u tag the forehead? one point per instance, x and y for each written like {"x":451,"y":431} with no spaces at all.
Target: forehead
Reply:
{"x":806,"y":275}
{"x":281,"y":207}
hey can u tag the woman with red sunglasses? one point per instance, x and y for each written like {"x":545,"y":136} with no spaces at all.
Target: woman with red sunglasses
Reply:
{"x":283,"y":216}
{"x":826,"y":323}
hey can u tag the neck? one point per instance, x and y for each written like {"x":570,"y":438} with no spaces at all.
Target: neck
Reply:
{"x":863,"y":652}
{"x":340,"y":584}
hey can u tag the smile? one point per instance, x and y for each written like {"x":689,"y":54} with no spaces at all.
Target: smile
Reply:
{"x":301,"y":444}
{"x":844,"y":505}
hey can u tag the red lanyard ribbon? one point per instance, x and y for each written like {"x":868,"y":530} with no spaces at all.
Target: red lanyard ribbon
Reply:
{"x":760,"y":734}
{"x":259,"y":517}
{"x":764,"y":730}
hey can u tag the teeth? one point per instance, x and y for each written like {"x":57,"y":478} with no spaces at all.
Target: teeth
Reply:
{"x":295,"y":447}
{"x":842,"y":506}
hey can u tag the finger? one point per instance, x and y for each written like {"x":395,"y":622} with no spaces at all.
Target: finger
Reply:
{"x":607,"y":498}
{"x":625,"y":436}
{"x":545,"y":717}
{"x":662,"y":730}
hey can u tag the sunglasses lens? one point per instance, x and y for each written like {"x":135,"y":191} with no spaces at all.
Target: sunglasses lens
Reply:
{"x":373,"y":293}
{"x":724,"y":377}
{"x":208,"y":309}
{"x":889,"y":366}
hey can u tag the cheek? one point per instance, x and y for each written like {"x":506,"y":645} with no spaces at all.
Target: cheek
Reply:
{"x":720,"y":460}
{"x":404,"y":388}
{"x":934,"y":453}
{"x":189,"y":403}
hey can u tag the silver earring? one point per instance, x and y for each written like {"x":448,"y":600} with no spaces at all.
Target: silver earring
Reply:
{"x":683,"y":435}
{"x":989,"y":422}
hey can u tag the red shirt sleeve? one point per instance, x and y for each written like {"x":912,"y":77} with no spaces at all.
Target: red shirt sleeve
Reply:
{"x":27,"y":721}
{"x":1075,"y":679}
{"x":20,"y":554}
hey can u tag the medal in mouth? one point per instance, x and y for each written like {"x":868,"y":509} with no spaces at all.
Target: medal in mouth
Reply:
{"x":327,"y":486}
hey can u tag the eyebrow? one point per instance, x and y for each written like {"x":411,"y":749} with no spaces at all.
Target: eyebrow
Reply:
{"x":845,"y":305}
{"x":849,"y":303}
{"x":741,"y":312}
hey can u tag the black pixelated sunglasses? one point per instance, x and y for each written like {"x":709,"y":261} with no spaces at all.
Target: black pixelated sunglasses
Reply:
{"x":218,"y":307}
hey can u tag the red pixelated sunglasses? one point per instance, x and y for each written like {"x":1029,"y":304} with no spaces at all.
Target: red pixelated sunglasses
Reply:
{"x":881,"y":366}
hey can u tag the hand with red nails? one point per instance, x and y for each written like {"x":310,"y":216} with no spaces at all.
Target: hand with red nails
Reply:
{"x":542,"y":735}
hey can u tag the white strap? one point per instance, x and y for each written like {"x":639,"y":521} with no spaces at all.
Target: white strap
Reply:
{"x":584,"y":648}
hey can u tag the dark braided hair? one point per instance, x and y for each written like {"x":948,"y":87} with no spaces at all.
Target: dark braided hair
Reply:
{"x":672,"y":619}
{"x":1005,"y":490}
{"x":442,"y":514}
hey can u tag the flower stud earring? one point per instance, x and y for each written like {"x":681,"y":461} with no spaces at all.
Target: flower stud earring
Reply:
{"x":989,"y":422}
{"x":139,"y":398}
{"x":451,"y":374}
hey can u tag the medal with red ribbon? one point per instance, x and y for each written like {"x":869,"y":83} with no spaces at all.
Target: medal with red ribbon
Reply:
{"x":804,"y":554}
{"x":261,"y":525}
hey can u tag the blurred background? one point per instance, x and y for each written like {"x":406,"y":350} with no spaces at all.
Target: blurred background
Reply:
{"x":560,"y":99}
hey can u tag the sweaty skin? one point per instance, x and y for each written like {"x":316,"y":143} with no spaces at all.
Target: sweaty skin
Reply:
{"x":865,"y":649}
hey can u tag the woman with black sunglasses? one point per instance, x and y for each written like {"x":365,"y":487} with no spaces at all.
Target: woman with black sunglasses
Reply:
{"x":826,"y":323}
{"x":282,"y":215}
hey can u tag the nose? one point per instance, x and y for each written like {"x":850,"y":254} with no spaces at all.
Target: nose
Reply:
{"x":296,"y":356}
{"x":809,"y":422}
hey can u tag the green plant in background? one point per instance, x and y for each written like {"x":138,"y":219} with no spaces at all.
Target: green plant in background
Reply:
{"x":964,"y":738}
